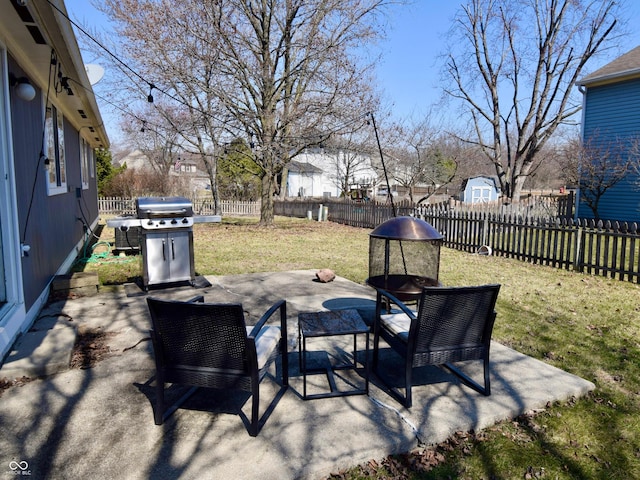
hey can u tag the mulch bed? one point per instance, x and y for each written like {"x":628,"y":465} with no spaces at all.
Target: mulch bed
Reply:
{"x":90,"y":348}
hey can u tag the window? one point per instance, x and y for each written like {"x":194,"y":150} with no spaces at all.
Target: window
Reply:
{"x":56,"y":168}
{"x":86,"y":161}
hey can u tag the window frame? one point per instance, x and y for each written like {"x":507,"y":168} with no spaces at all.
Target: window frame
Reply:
{"x":56,"y":165}
{"x":86,"y":162}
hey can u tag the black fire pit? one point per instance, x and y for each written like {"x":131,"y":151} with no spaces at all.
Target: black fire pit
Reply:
{"x":404,"y":256}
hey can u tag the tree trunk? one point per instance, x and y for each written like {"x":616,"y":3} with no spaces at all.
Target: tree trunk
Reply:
{"x":266,"y":209}
{"x":212,"y":172}
{"x":516,"y":188}
{"x":283,"y":183}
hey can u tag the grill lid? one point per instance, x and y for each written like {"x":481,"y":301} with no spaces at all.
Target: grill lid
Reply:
{"x":167,"y":207}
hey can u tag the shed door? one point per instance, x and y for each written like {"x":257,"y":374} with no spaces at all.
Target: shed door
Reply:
{"x":480,"y":194}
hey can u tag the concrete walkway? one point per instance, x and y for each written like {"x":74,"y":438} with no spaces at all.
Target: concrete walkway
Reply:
{"x":98,"y":423}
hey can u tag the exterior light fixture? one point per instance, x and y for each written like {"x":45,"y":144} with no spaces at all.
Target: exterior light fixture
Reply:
{"x":23,"y":88}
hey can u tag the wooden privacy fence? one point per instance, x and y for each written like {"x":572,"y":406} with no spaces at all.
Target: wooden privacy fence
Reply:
{"x":233,"y":208}
{"x":610,"y":249}
{"x":201,"y":206}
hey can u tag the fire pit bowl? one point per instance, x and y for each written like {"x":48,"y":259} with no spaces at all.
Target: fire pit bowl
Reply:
{"x":404,"y":257}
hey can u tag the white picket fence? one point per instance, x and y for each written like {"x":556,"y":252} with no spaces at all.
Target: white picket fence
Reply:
{"x":201,"y":206}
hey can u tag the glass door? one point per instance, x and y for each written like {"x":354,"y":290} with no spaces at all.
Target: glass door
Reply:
{"x":4,"y":168}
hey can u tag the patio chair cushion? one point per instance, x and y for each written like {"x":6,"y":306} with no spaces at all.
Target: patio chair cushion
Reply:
{"x":209,"y":345}
{"x":398,"y":324}
{"x":266,"y":342}
{"x":453,"y":324}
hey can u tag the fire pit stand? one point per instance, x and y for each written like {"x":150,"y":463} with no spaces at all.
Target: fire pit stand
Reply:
{"x":404,"y":256}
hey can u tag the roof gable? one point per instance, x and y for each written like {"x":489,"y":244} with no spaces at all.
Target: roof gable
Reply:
{"x":303,"y":167}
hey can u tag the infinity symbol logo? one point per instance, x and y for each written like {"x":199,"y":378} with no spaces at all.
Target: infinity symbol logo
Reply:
{"x":13,"y":465}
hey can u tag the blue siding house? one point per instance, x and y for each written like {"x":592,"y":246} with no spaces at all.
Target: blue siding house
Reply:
{"x":480,"y":190}
{"x":611,"y":113}
{"x":50,"y":126}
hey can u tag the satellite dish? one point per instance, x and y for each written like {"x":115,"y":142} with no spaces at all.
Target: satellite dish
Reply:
{"x":94,"y":72}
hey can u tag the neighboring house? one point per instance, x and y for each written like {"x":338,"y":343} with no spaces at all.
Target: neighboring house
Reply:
{"x":611,"y":101}
{"x":322,"y":171}
{"x":480,"y":190}
{"x":304,"y":180}
{"x":183,"y":167}
{"x":188,"y":169}
{"x":49,"y":128}
{"x":134,"y":159}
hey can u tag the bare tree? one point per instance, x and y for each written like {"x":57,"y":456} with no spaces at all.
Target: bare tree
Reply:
{"x":422,"y":157}
{"x":158,"y":141}
{"x":514,"y":64}
{"x":271,"y":71}
{"x":597,"y":165}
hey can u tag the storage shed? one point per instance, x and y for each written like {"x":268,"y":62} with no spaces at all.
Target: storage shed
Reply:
{"x":481,"y":189}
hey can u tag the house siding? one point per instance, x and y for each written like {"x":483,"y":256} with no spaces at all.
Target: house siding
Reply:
{"x":611,"y":113}
{"x":41,"y":233}
{"x":332,"y":166}
{"x":48,"y":224}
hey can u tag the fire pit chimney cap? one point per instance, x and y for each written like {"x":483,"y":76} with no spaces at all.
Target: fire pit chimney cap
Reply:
{"x":406,"y":228}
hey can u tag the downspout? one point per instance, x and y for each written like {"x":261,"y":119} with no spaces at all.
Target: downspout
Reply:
{"x":583,"y":91}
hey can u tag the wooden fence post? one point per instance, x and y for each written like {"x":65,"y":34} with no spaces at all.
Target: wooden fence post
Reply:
{"x":577,"y":262}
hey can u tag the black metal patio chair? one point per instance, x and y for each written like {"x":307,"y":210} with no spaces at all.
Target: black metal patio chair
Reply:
{"x":208,"y":345}
{"x":452,"y":324}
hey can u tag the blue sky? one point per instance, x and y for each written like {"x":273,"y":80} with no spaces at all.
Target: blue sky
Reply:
{"x":408,"y":72}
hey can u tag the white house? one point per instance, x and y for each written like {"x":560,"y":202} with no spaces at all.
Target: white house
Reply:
{"x":321,"y":172}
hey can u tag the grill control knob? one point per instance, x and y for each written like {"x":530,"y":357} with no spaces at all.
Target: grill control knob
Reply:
{"x":150,"y":222}
{"x":162,"y":222}
{"x":185,"y":220}
{"x":174,"y":221}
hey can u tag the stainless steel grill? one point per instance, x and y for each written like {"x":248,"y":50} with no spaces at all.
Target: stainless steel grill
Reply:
{"x":166,"y":240}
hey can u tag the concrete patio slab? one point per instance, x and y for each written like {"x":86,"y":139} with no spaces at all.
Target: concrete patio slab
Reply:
{"x":98,"y":423}
{"x":41,"y":352}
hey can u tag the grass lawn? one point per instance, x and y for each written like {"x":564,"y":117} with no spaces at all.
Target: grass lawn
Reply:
{"x":588,"y":326}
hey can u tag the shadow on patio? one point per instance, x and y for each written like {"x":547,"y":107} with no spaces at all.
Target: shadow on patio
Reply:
{"x":98,"y":422}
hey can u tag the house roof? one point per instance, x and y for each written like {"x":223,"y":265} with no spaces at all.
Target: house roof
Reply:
{"x":488,"y":178}
{"x":302,"y":167}
{"x":625,"y":67}
{"x":31,"y":32}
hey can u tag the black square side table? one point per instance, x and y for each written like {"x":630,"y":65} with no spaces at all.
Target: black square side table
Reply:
{"x":329,"y":324}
